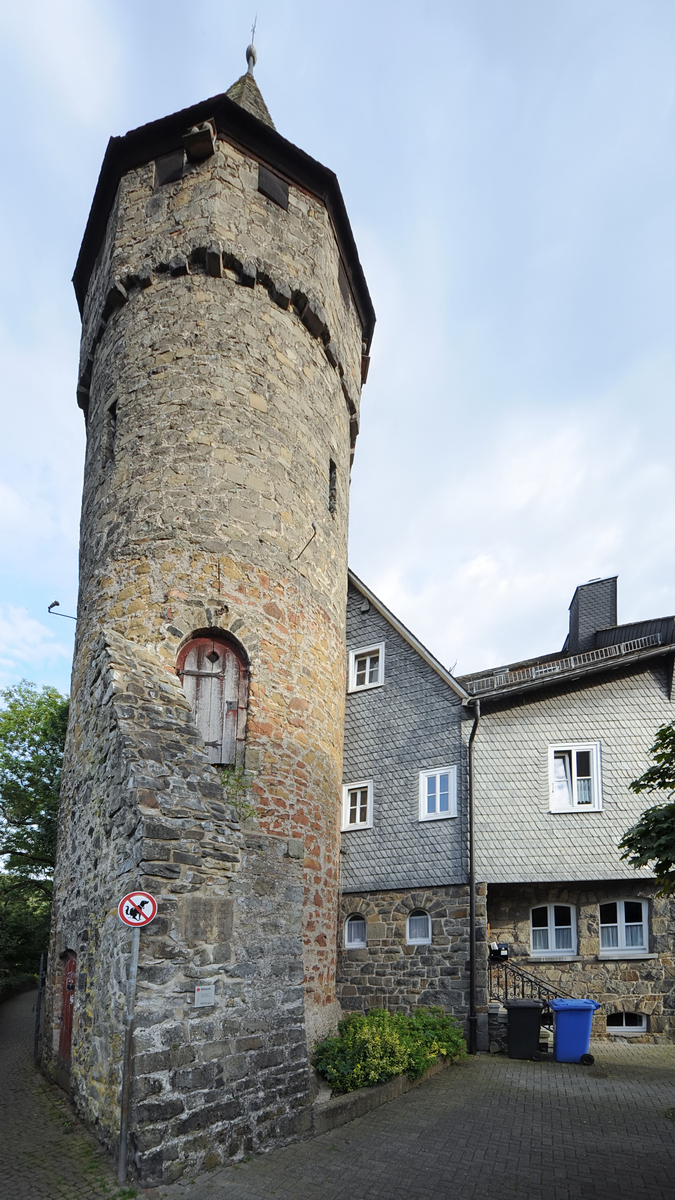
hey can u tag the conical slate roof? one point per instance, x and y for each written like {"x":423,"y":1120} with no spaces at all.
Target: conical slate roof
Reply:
{"x":241,"y":117}
{"x":246,"y":93}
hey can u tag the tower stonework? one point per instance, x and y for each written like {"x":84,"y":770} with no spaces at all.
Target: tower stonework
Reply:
{"x":226,"y":325}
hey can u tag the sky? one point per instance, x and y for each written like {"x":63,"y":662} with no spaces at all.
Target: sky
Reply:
{"x":509,"y":172}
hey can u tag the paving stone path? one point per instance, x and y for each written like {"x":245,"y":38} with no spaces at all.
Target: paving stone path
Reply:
{"x":45,"y":1154}
{"x":490,"y":1128}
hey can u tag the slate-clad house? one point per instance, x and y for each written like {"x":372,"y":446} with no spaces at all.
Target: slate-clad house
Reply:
{"x":560,"y":739}
{"x":403,"y":931}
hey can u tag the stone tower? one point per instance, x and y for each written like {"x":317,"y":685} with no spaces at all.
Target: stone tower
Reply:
{"x":226,"y":331}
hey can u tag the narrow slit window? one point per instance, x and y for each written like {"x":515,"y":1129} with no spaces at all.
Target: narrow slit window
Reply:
{"x":332,"y":486}
{"x":343,"y":283}
{"x":109,"y":432}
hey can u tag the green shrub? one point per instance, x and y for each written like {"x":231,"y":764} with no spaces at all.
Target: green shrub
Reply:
{"x":375,"y":1046}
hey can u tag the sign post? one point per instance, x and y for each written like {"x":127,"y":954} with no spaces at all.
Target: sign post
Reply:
{"x":136,"y":909}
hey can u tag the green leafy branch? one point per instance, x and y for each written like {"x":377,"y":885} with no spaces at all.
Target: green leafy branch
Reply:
{"x":652,"y":838}
{"x":237,"y":787}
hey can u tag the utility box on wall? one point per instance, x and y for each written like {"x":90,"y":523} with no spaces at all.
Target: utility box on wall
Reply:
{"x":499,"y":951}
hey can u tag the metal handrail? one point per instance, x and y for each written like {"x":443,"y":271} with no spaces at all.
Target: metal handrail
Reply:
{"x":507,"y":982}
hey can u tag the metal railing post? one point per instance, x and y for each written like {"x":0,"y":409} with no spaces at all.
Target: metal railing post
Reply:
{"x":126,"y":1068}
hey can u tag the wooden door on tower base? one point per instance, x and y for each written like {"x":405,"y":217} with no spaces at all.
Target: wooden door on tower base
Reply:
{"x":66,"y":1031}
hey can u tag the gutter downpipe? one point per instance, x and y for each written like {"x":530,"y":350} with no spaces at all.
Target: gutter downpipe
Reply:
{"x":473,"y":1018}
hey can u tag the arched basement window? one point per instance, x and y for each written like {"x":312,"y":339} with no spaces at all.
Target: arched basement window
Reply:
{"x":355,"y":931}
{"x":215,"y":679}
{"x":419,"y":928}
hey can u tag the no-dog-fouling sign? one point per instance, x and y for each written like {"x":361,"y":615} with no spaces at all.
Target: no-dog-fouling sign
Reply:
{"x":137,"y":909}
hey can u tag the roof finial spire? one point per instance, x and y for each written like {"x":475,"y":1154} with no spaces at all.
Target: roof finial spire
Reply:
{"x":251,"y":53}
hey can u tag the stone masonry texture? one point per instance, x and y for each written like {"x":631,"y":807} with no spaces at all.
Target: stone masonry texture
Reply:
{"x":389,"y":973}
{"x":635,"y":983}
{"x":220,"y":373}
{"x":137,"y":813}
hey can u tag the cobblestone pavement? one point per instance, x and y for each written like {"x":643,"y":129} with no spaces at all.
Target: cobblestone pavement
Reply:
{"x":489,"y":1128}
{"x":45,"y":1154}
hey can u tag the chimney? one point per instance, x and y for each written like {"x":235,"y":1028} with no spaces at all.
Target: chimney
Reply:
{"x":593,"y":607}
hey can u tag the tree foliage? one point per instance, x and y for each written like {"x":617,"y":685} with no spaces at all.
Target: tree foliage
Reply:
{"x":651,"y":841}
{"x":32,"y":736}
{"x":24,"y":930}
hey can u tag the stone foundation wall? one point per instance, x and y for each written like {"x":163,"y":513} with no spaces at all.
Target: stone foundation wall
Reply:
{"x":145,"y":809}
{"x":632,"y":984}
{"x":388,"y":973}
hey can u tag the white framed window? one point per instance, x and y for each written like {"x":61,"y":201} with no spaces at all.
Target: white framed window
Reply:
{"x":626,"y":1023}
{"x":355,"y":931}
{"x":418,"y":928}
{"x":623,"y":926}
{"x":553,"y":929}
{"x":357,"y":805}
{"x":438,"y":794}
{"x":574,"y":778}
{"x":366,"y":668}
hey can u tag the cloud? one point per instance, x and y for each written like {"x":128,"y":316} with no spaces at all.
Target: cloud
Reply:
{"x":28,"y":648}
{"x":481,"y":558}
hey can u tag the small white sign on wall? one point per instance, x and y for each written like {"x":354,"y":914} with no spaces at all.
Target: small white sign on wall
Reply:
{"x":205,"y":995}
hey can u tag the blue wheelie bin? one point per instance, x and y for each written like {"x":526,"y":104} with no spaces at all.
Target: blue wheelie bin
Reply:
{"x":572,"y":1033}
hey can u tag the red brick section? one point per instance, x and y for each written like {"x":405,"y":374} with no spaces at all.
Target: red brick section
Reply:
{"x":296,"y":719}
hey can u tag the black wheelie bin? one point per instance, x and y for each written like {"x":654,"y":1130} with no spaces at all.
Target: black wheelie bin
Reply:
{"x":522,"y":1031}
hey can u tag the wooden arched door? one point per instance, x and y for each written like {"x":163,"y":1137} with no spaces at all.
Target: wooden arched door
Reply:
{"x":66,"y":1030}
{"x":214,"y":677}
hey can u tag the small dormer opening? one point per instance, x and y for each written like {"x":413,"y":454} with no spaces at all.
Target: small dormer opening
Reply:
{"x":273,"y":187}
{"x":170,"y":167}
